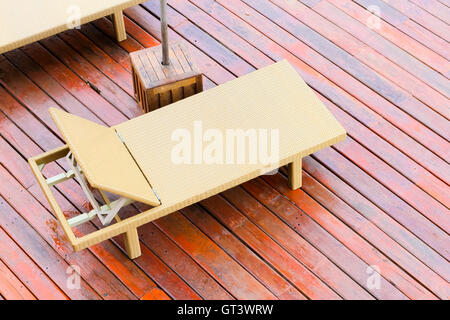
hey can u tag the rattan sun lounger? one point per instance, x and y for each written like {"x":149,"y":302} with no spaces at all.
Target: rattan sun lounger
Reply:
{"x":27,"y":21}
{"x":135,"y":159}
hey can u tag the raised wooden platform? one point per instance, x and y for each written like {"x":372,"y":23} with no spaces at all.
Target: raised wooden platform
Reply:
{"x":377,"y":201}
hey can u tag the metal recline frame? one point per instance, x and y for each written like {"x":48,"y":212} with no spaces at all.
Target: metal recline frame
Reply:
{"x":106,"y":213}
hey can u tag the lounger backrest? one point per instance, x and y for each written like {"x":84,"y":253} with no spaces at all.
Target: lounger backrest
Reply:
{"x":104,"y":159}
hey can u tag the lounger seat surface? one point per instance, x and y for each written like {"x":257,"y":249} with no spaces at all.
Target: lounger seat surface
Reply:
{"x":135,"y":159}
{"x":26,"y":21}
{"x":274,"y":97}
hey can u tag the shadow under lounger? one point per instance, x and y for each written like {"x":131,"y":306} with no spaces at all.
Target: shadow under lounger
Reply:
{"x":188,"y":151}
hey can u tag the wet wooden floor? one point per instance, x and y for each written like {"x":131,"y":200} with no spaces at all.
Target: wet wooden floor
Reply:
{"x":371,"y":220}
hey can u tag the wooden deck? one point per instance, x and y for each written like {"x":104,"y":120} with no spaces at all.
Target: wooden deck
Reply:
{"x":378,"y":200}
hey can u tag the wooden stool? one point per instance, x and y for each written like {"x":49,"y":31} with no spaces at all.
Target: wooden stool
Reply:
{"x":156,"y":85}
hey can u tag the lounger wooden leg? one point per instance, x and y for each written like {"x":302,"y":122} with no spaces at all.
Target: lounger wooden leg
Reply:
{"x":295,"y":174}
{"x":132,"y":244}
{"x":119,"y":26}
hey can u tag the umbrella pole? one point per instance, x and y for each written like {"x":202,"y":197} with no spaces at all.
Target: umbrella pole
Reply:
{"x":164,"y":34}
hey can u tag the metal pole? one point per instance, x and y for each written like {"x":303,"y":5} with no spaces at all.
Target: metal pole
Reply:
{"x":164,"y":39}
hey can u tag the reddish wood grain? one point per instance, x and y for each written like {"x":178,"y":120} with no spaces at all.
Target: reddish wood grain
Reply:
{"x":107,"y":88}
{"x":380,"y":197}
{"x":241,"y":253}
{"x":370,"y":211}
{"x":349,"y":262}
{"x":348,"y":103}
{"x":203,"y":41}
{"x":372,"y":100}
{"x":406,"y":166}
{"x":155,"y":294}
{"x":104,"y":282}
{"x":184,"y":266}
{"x":376,"y":86}
{"x":383,"y":243}
{"x":219,"y":265}
{"x":320,"y":268}
{"x":99,"y":59}
{"x":44,"y":285}
{"x":421,"y":16}
{"x":383,"y":198}
{"x":11,"y":287}
{"x":436,"y":8}
{"x":409,"y":27}
{"x":110,"y":256}
{"x":26,"y":270}
{"x":358,"y":47}
{"x":296,"y":218}
{"x":402,"y":40}
{"x":385,"y":47}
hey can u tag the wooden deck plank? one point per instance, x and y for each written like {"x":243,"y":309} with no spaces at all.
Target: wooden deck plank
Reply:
{"x":11,"y":287}
{"x":209,"y":67}
{"x":40,"y":268}
{"x":121,"y":265}
{"x":381,"y":88}
{"x":347,"y":39}
{"x":436,"y":8}
{"x":25,"y":269}
{"x":116,"y":261}
{"x":104,"y":282}
{"x":246,"y":51}
{"x":139,"y":37}
{"x":350,"y":105}
{"x":437,"y":210}
{"x":385,"y":244}
{"x":373,"y":101}
{"x":165,"y":277}
{"x":73,"y":84}
{"x":396,"y":183}
{"x":155,"y":294}
{"x":390,"y":155}
{"x":108,"y":89}
{"x":343,"y":258}
{"x":107,"y":45}
{"x":378,"y":198}
{"x":99,"y":59}
{"x":278,"y":285}
{"x":219,"y":265}
{"x":195,"y":16}
{"x":382,"y":197}
{"x":409,"y":27}
{"x":374,"y":214}
{"x":115,"y":50}
{"x":400,"y":39}
{"x":186,"y":267}
{"x":422,"y":17}
{"x":445,"y":2}
{"x":203,"y":41}
{"x":300,"y":257}
{"x":133,"y":277}
{"x":47,"y":84}
{"x":367,"y":252}
{"x":383,"y":46}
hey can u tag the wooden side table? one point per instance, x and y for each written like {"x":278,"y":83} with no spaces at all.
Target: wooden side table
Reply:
{"x":156,"y":85}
